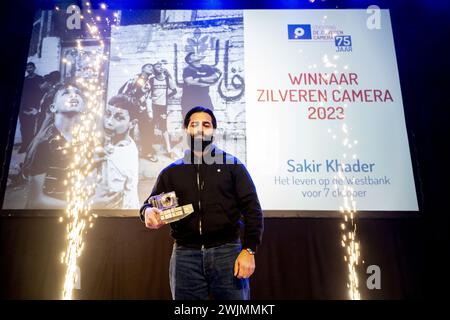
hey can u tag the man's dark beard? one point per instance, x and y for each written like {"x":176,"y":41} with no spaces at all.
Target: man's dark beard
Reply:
{"x":199,"y":143}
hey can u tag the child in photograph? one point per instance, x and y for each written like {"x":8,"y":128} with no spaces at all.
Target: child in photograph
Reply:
{"x":119,"y":157}
{"x":162,"y":87}
{"x":47,"y":159}
{"x":138,"y":90}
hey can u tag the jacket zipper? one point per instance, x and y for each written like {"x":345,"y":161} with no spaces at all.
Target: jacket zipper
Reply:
{"x":199,"y":203}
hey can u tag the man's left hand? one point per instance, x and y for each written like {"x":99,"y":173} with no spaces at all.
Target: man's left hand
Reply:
{"x":244,"y":265}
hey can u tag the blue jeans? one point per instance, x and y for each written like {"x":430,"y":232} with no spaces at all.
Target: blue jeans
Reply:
{"x":196,"y":274}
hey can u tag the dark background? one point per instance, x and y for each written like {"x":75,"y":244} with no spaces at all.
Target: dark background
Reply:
{"x":301,"y":258}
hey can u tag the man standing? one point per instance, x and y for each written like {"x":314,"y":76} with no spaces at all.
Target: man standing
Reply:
{"x":29,"y":107}
{"x":208,"y":257}
{"x":197,"y":79}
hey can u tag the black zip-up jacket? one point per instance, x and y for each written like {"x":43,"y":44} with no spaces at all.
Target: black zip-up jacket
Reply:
{"x":221,"y":194}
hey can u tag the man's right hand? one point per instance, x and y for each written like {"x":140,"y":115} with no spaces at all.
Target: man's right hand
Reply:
{"x":152,"y":218}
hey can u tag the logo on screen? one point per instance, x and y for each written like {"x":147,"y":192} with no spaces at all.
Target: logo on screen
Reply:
{"x":299,"y":32}
{"x":343,"y":43}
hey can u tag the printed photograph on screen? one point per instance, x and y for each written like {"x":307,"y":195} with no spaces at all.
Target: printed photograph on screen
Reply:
{"x":167,"y":62}
{"x":160,"y":64}
{"x":51,"y":105}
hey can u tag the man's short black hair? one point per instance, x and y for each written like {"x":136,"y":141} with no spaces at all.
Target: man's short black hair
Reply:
{"x":125,"y":102}
{"x":197,"y":109}
{"x":31,"y":64}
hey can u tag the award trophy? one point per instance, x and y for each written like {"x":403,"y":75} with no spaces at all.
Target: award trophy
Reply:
{"x":168,"y":204}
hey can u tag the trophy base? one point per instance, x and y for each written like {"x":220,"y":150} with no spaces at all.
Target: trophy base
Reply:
{"x":177,"y":213}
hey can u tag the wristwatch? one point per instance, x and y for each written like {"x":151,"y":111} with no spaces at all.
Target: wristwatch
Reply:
{"x":250,"y":251}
